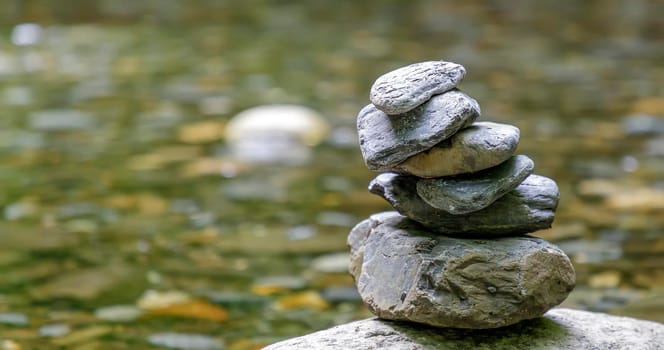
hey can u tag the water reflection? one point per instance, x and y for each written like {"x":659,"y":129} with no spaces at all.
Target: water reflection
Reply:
{"x":118,"y":177}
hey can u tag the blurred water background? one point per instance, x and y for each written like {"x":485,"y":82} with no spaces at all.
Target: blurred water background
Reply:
{"x":138,"y":214}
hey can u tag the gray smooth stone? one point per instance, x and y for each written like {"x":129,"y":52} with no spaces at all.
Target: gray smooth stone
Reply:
{"x":477,"y":147}
{"x":409,"y":273}
{"x":472,"y":192}
{"x":529,"y":207}
{"x":386,"y":140}
{"x":405,"y":88}
{"x":559,"y":329}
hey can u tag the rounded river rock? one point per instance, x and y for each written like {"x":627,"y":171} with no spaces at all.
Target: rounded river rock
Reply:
{"x":477,"y":147}
{"x":405,"y":272}
{"x":403,"y":89}
{"x":559,"y":329}
{"x":472,"y":192}
{"x":529,"y":207}
{"x":386,"y":140}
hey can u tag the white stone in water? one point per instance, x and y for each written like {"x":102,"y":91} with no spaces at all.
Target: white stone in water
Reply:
{"x":299,"y":122}
{"x":13,"y":319}
{"x":118,"y":313}
{"x":276,"y":134}
{"x":403,"y":89}
{"x":61,"y":119}
{"x":54,"y":330}
{"x":153,"y":299}
{"x":331,"y":263}
{"x":25,"y":34}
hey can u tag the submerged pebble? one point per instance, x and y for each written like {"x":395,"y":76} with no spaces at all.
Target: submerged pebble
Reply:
{"x":184,"y":341}
{"x":337,"y":262}
{"x":281,"y":282}
{"x":277,"y":133}
{"x":643,"y":124}
{"x":341,"y":294}
{"x":237,"y":300}
{"x":61,"y":119}
{"x":54,"y":330}
{"x":154,"y":299}
{"x":13,"y":319}
{"x":118,"y":313}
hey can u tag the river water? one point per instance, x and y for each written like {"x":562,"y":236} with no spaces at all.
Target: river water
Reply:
{"x":129,"y":224}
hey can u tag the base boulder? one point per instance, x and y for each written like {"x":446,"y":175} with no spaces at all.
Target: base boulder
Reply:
{"x":405,"y":272}
{"x":561,"y":329}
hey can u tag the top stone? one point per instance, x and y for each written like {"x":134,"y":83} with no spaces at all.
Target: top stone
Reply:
{"x":405,"y":88}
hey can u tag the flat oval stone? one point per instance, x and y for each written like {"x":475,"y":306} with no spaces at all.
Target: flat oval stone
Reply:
{"x":477,"y":147}
{"x":386,"y":140}
{"x":405,"y":88}
{"x":529,"y":207}
{"x":472,"y":192}
{"x":408,"y":273}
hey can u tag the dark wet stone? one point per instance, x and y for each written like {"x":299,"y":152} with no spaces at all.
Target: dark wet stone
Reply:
{"x":561,"y":329}
{"x":340,"y":294}
{"x":468,"y":193}
{"x":386,"y":140}
{"x":477,"y":147}
{"x":409,"y":273}
{"x":529,"y":207}
{"x":244,"y":301}
{"x":405,"y":88}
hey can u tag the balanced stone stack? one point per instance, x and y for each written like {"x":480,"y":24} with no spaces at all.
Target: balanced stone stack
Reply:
{"x":456,"y":252}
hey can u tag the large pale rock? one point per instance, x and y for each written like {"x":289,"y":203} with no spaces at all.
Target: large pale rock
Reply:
{"x":477,"y":147}
{"x":386,"y":140}
{"x":403,"y":89}
{"x":275,"y":134}
{"x":472,"y":192}
{"x":529,"y":207}
{"x":409,"y":273}
{"x":278,"y":120}
{"x":559,"y":329}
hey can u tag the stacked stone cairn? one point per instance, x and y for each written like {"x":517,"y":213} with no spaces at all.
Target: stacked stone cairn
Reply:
{"x":455,"y":253}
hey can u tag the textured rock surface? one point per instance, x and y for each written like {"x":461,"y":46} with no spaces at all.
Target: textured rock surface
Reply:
{"x":409,"y":273}
{"x":528,"y":208}
{"x":472,"y":192}
{"x":560,"y":329}
{"x":477,"y":147}
{"x":403,"y":89}
{"x":386,"y":140}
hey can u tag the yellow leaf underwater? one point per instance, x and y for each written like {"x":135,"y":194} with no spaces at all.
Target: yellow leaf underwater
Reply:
{"x":307,"y":300}
{"x":192,"y":309}
{"x":201,"y":132}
